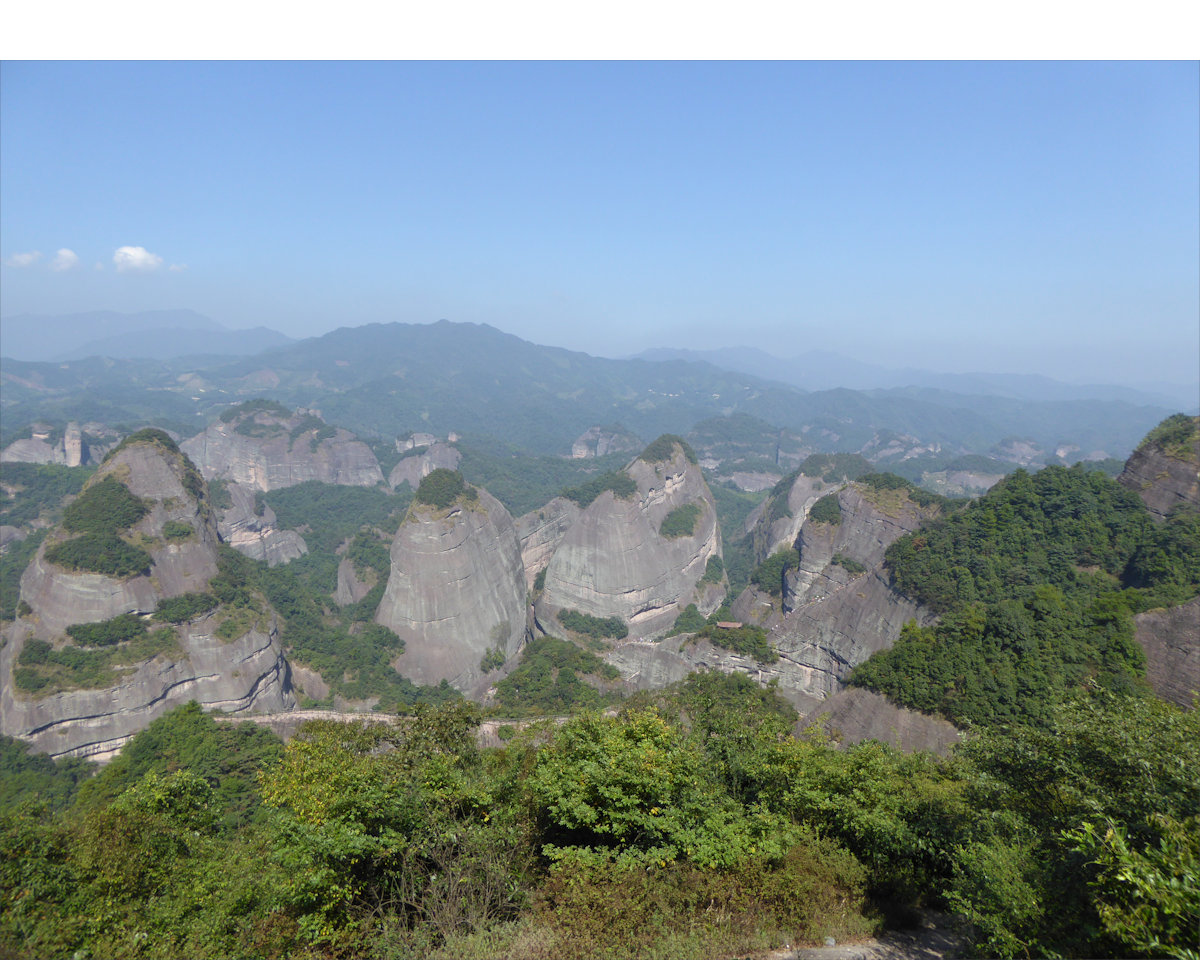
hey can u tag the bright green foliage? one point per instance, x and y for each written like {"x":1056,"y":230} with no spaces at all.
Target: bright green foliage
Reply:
{"x":41,"y":670}
{"x":664,"y":449}
{"x":440,"y":488}
{"x":26,"y":776}
{"x":1178,"y":436}
{"x":176,"y":531}
{"x":597,"y":628}
{"x":681,"y":522}
{"x":619,"y":482}
{"x":539,"y":582}
{"x":107,"y":633}
{"x":768,"y":575}
{"x":826,"y":510}
{"x":690,"y":620}
{"x":1028,"y":580}
{"x":12,"y":565}
{"x":100,"y":553}
{"x":889,"y":481}
{"x":185,"y":607}
{"x":390,"y":817}
{"x":226,"y":755}
{"x":105,"y":507}
{"x":494,"y":659}
{"x":714,"y":570}
{"x":747,"y":639}
{"x":548,"y":680}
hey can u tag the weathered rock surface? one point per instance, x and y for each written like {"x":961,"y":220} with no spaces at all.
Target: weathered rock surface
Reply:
{"x":257,"y":536}
{"x":260,"y":450}
{"x":61,"y":597}
{"x":69,"y":450}
{"x":412,"y":470}
{"x":541,"y":531}
{"x":601,"y":441}
{"x":351,"y":589}
{"x":780,"y":532}
{"x":855,"y":715}
{"x":1162,"y":480}
{"x":1171,"y":639}
{"x":248,"y":674}
{"x":613,"y":561}
{"x":456,"y":589}
{"x":10,"y":535}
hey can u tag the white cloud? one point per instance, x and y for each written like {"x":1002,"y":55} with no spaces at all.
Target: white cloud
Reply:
{"x":177,"y":267}
{"x":64,"y":260}
{"x":136,"y":260}
{"x":24,"y":259}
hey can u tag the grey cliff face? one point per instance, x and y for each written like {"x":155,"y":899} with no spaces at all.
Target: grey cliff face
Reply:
{"x":540,"y":533}
{"x":1163,"y":481}
{"x":855,"y":715}
{"x":614,"y":561}
{"x":258,"y":537}
{"x":350,"y":589}
{"x":265,"y":455}
{"x":248,"y":674}
{"x":61,"y":597}
{"x":781,"y":533}
{"x":456,"y":590}
{"x":412,"y":470}
{"x":1171,"y":639}
{"x":72,"y":449}
{"x":599,"y":442}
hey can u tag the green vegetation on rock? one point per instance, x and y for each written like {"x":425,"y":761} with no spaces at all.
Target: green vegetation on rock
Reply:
{"x":547,"y":680}
{"x":42,"y":670}
{"x":597,"y":628}
{"x":440,"y":488}
{"x":108,"y":633}
{"x":768,"y":575}
{"x":619,"y":482}
{"x":176,"y":531}
{"x":826,"y":510}
{"x":185,"y":607}
{"x":681,"y":522}
{"x":664,"y":449}
{"x":100,"y":553}
{"x":105,"y":507}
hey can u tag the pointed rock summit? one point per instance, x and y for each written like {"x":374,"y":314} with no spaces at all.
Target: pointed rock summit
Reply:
{"x":639,"y":549}
{"x":456,"y":590}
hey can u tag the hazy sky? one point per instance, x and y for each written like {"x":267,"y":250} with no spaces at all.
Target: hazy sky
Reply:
{"x":1024,"y":217}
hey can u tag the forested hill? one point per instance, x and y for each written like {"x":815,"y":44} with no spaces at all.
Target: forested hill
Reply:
{"x":1037,"y":583}
{"x":383,"y":379}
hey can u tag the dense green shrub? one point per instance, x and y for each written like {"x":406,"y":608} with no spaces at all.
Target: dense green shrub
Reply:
{"x":100,"y":553}
{"x":1177,"y":436}
{"x":43,"y":670}
{"x":681,"y":522}
{"x":769,"y":574}
{"x":832,"y":467}
{"x":598,"y":628}
{"x":548,"y":680}
{"x":186,"y":606}
{"x":258,"y":405}
{"x":851,"y":565}
{"x":176,"y":531}
{"x":13,"y":562}
{"x":440,"y":488}
{"x":218,"y":493}
{"x":690,"y":620}
{"x":39,"y":489}
{"x":747,"y":639}
{"x":826,"y":510}
{"x":714,"y":570}
{"x":664,"y":449}
{"x":107,"y":633}
{"x":619,"y":482}
{"x":105,"y":507}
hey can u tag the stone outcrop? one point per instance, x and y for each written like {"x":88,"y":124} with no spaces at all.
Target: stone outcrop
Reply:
{"x":1165,"y":479}
{"x":413,"y":469}
{"x":541,"y":531}
{"x":246,"y":672}
{"x":350,"y":588}
{"x":70,"y":449}
{"x":267,"y":450}
{"x":1171,"y":639}
{"x":257,"y":535}
{"x":456,"y":589}
{"x":779,"y":524}
{"x":60,"y":597}
{"x":854,"y":715}
{"x":613,"y":561}
{"x":601,"y":441}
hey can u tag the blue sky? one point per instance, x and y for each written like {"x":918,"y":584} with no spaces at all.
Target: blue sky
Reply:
{"x":1022,"y":217}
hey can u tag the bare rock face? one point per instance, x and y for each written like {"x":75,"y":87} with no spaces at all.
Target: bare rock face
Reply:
{"x":1165,"y":476}
{"x":778,"y":528}
{"x":247,"y":674}
{"x":412,"y":470}
{"x":456,"y":589}
{"x":268,"y":449}
{"x":601,"y":441}
{"x":257,"y":535}
{"x":71,"y":449}
{"x":614,"y":561}
{"x":60,"y":597}
{"x":1171,"y":639}
{"x":540,"y":533}
{"x":855,"y":715}
{"x":350,"y":589}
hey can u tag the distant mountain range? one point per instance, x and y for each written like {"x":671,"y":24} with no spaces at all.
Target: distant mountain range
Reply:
{"x":384,"y":380}
{"x":823,"y":370}
{"x":154,"y":334}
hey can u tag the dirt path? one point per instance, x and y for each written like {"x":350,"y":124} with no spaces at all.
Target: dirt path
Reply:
{"x":935,"y":939}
